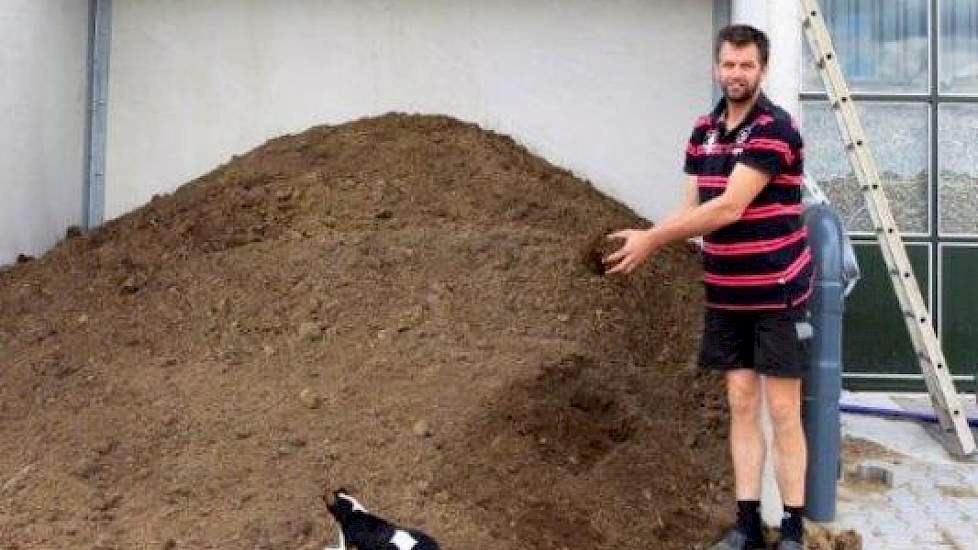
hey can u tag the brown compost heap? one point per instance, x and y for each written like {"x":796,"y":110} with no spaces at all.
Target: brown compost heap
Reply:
{"x":407,"y":306}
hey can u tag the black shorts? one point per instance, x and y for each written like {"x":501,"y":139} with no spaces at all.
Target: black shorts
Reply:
{"x":773,"y":343}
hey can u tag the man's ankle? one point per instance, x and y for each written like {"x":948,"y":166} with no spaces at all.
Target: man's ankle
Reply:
{"x":749,"y":519}
{"x":792,"y":523}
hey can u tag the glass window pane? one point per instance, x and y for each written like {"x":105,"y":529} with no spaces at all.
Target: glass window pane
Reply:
{"x":958,"y":168}
{"x":882,"y":45}
{"x":897,"y":134}
{"x":959,"y":333}
{"x":959,"y":46}
{"x":875,"y":337}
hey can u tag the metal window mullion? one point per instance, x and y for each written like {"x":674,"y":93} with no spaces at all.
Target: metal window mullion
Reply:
{"x":898,"y":376}
{"x":940,"y":294}
{"x":878,"y":96}
{"x":894,"y":97}
{"x":934,"y":177}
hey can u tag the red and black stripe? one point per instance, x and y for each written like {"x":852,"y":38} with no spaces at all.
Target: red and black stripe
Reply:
{"x":762,"y":261}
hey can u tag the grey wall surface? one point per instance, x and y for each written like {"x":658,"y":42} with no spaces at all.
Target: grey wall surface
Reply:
{"x":43,"y":48}
{"x":606,"y":89}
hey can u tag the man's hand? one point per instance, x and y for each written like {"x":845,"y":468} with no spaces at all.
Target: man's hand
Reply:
{"x":638,"y":246}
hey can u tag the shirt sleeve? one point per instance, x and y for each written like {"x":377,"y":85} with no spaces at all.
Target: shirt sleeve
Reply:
{"x":774,"y":149}
{"x":692,"y":164}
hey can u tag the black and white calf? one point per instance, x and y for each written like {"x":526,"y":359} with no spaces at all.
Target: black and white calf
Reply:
{"x":365,"y":531}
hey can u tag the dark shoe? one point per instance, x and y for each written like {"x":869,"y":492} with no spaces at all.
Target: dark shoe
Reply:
{"x":735,"y":540}
{"x":790,"y":545}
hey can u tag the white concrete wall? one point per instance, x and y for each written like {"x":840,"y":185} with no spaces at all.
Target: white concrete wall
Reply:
{"x":43,"y":49}
{"x":608,"y":89}
{"x":781,"y":20}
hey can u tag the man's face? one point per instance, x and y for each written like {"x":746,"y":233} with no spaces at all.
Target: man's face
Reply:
{"x":739,"y":71}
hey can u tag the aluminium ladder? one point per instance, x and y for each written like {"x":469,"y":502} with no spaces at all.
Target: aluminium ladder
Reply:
{"x":955,"y":432}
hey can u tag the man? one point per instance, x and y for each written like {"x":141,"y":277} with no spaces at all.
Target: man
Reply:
{"x":743,"y":196}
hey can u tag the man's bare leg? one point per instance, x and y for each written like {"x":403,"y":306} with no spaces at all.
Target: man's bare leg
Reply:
{"x":747,"y":450}
{"x":790,"y":452}
{"x":746,"y":438}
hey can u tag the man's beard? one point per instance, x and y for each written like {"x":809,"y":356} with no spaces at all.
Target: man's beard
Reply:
{"x":746,"y":93}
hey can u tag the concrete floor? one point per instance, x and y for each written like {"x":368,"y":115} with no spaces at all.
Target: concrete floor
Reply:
{"x":931,"y":502}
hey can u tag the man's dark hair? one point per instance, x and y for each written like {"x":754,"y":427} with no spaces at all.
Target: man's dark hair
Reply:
{"x":743,"y":35}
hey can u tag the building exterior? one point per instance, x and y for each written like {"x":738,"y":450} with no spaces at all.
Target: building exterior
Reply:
{"x":42,"y":108}
{"x":913,"y":67}
{"x":606,"y":89}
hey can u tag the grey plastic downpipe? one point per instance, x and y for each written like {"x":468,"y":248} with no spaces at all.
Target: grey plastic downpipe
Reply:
{"x":835,"y":274}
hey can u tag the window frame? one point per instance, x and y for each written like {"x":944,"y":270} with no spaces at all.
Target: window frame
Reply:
{"x":934,"y":238}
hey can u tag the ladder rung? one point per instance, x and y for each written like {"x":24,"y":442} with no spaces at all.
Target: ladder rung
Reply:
{"x":901,"y":273}
{"x":824,"y":60}
{"x":910,"y":314}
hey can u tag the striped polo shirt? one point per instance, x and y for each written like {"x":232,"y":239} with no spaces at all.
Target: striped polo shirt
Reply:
{"x":762,"y":261}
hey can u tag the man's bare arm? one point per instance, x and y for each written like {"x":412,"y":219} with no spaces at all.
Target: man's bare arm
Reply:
{"x":743,"y":185}
{"x":691,"y":200}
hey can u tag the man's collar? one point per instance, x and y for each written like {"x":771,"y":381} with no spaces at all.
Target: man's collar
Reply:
{"x":763,"y":104}
{"x":719,"y":109}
